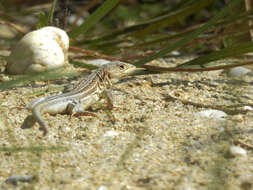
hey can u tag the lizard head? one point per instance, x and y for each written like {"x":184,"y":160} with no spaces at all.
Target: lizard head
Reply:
{"x":118,"y":69}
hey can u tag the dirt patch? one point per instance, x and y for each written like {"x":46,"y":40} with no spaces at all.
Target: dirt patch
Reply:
{"x":153,"y":139}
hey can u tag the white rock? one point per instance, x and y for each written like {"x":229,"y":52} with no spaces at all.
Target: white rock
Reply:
{"x":175,"y":53}
{"x":38,"y":51}
{"x":102,"y":188}
{"x":237,"y":151}
{"x":185,"y":187}
{"x":111,"y":133}
{"x":213,"y":114}
{"x":238,"y":71}
{"x":72,"y":18}
{"x":67,"y":129}
{"x":247,"y":108}
{"x":237,"y":118}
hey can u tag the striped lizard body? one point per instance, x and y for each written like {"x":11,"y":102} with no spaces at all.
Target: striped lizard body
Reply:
{"x":84,"y":94}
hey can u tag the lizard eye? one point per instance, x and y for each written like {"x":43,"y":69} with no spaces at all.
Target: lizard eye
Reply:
{"x":121,"y":67}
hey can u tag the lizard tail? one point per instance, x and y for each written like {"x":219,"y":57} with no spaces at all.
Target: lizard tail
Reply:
{"x":39,"y":119}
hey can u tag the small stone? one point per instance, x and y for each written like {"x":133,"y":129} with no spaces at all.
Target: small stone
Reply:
{"x":14,"y":179}
{"x":73,"y":17}
{"x":102,"y":187}
{"x":237,"y":118}
{"x":247,"y":108}
{"x":213,"y":114}
{"x":185,"y":187}
{"x":238,"y":71}
{"x":111,"y":133}
{"x":67,"y":129}
{"x":7,"y":31}
{"x":175,"y":53}
{"x":4,"y":78}
{"x":84,"y":126}
{"x":236,"y":151}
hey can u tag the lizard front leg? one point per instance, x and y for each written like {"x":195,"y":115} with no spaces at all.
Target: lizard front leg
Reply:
{"x":108,"y":95}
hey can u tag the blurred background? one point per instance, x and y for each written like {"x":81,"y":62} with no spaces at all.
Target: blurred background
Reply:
{"x":133,"y":26}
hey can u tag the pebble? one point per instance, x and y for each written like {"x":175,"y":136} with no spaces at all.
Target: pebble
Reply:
{"x":247,"y":108}
{"x":213,"y":114}
{"x":14,"y":179}
{"x":111,"y":133}
{"x":185,"y":187}
{"x":102,"y":187}
{"x":236,"y":151}
{"x":7,"y":31}
{"x":237,"y":118}
{"x":238,"y":71}
{"x":73,"y":17}
{"x":67,"y":129}
{"x":4,"y":78}
{"x":175,"y":53}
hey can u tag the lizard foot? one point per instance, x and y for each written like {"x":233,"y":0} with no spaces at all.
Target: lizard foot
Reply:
{"x":85,"y":114}
{"x":44,"y":130}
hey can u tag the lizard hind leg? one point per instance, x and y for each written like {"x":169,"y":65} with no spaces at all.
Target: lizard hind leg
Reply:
{"x":39,"y":119}
{"x":76,"y":109}
{"x":30,"y":122}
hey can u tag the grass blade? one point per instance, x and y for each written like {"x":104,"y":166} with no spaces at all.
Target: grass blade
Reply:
{"x":235,"y":50}
{"x":51,"y":13}
{"x":170,"y":18}
{"x":34,"y":149}
{"x":94,"y":18}
{"x":49,"y":75}
{"x":191,"y":36}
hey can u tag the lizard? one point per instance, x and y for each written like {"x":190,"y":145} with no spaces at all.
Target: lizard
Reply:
{"x":87,"y":91}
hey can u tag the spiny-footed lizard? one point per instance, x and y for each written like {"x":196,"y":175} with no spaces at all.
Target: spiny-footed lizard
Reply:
{"x":85,"y":93}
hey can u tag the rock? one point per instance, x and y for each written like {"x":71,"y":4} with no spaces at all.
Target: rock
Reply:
{"x":238,"y":71}
{"x":7,"y":31}
{"x":237,"y":118}
{"x":73,"y":17}
{"x":247,"y":108}
{"x":39,"y":50}
{"x":213,"y":114}
{"x":185,"y":187}
{"x":14,"y":179}
{"x":235,"y":151}
{"x":111,"y":133}
{"x":102,"y":188}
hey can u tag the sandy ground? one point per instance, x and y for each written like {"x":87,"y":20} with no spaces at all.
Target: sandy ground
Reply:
{"x":152,"y":139}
